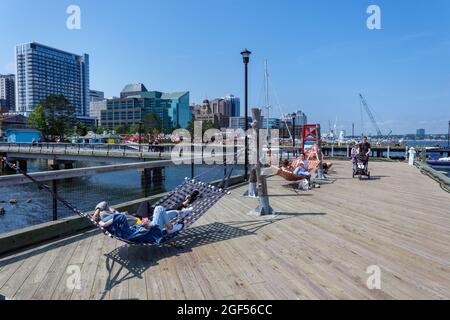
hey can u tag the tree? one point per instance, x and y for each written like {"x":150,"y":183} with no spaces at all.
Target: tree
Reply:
{"x":134,"y":129}
{"x":38,"y":120}
{"x":206,"y":125}
{"x":121,"y":129}
{"x":53,"y":117}
{"x":150,"y":122}
{"x":80,"y":129}
{"x":100,"y":130}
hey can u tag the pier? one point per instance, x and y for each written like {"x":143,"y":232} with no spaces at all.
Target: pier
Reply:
{"x":319,"y":246}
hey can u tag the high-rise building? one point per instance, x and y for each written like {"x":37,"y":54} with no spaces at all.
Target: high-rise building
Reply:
{"x":95,"y":110}
{"x":7,"y":93}
{"x":44,"y":71}
{"x":95,"y":95}
{"x":136,"y":102}
{"x":235,"y":104}
{"x":274,"y":123}
{"x":420,"y":134}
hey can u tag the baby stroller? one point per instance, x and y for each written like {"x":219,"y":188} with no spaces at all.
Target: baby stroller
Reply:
{"x":361,"y":167}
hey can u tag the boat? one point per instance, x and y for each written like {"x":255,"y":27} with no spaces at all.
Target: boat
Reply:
{"x":442,"y":162}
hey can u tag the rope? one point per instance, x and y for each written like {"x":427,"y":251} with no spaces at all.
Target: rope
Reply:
{"x":207,"y":203}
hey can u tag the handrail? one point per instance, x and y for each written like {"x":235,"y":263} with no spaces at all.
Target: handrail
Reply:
{"x":18,"y":179}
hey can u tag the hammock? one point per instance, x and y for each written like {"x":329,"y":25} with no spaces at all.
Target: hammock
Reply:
{"x":209,"y":195}
{"x":287,"y":175}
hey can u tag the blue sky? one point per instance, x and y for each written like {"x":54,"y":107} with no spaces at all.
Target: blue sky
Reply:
{"x":320,"y":53}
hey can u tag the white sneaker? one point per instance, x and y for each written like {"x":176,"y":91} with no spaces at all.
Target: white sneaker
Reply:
{"x":176,"y":228}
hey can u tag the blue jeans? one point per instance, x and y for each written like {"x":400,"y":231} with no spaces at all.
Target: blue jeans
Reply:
{"x":161,"y":217}
{"x":301,"y":172}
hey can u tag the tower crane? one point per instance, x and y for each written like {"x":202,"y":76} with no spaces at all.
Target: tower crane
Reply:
{"x":372,"y":118}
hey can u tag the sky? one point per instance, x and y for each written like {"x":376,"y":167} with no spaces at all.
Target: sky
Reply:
{"x":321,"y":54}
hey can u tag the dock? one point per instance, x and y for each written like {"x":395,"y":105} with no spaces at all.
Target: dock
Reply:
{"x":318,"y":246}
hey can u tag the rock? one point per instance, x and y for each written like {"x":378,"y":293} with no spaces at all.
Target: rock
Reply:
{"x":2,"y":211}
{"x":13,"y":201}
{"x":2,"y":201}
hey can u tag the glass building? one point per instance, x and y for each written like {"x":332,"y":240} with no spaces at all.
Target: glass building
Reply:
{"x":235,"y":104}
{"x":7,"y":93}
{"x":136,"y":102}
{"x":42,"y":71}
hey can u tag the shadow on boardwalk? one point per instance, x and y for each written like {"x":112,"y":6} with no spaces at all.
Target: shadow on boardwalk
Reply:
{"x":128,"y":262}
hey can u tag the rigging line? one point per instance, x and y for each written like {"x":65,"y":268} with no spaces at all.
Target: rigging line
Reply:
{"x":235,"y":157}
{"x":281,"y":111}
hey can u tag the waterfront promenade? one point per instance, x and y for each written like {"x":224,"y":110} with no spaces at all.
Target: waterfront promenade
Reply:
{"x":318,"y":247}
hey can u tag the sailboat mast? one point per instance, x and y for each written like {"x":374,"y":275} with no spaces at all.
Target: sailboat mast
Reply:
{"x":266,"y":87}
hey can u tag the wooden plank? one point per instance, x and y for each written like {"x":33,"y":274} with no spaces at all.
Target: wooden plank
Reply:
{"x":119,"y":273}
{"x":65,"y":288}
{"x":54,"y":274}
{"x":102,"y":282}
{"x":89,"y":269}
{"x":32,"y":283}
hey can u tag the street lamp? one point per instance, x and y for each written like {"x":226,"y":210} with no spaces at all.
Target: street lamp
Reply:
{"x":246,"y":58}
{"x":294,"y":116}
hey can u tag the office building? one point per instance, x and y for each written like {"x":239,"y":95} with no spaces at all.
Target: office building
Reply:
{"x":136,"y":102}
{"x":95,"y":95}
{"x":273,"y":123}
{"x":95,"y":110}
{"x":235,"y":105}
{"x":420,"y":134}
{"x":7,"y":93}
{"x":42,"y":71}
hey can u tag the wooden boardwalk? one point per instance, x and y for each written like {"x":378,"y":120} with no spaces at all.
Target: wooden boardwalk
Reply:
{"x":318,"y":247}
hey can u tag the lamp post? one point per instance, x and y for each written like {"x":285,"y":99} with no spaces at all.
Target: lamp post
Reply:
{"x":294,"y":116}
{"x":246,"y":59}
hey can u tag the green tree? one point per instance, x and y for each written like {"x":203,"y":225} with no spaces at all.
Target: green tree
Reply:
{"x":80,"y":129}
{"x":134,"y":128}
{"x":100,"y":130}
{"x":53,"y":117}
{"x":121,"y":129}
{"x":38,"y":120}
{"x":206,"y":125}
{"x":150,"y":122}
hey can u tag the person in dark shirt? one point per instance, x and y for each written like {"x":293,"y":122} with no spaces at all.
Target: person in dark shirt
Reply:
{"x":364,"y":147}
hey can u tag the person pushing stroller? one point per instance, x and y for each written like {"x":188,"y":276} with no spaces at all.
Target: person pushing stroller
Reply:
{"x":362,"y":158}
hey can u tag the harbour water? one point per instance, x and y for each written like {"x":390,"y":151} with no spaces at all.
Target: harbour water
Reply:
{"x":35,"y":207}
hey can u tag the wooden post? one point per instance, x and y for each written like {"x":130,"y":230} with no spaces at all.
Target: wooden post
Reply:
{"x":320,"y":174}
{"x":264,"y":208}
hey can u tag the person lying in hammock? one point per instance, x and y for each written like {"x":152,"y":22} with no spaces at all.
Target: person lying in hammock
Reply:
{"x":103,"y":212}
{"x":145,"y":210}
{"x":153,"y":231}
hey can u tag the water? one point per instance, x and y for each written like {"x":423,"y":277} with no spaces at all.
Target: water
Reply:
{"x":426,"y":143}
{"x":86,"y":192}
